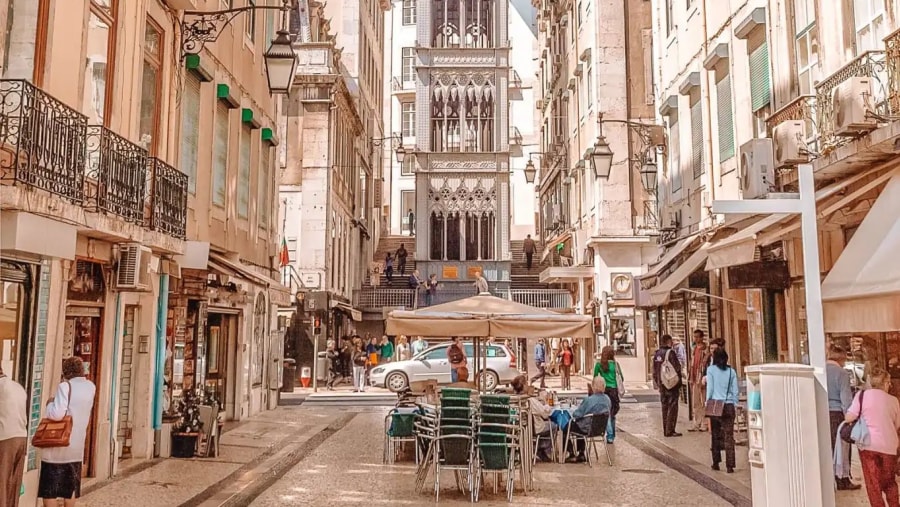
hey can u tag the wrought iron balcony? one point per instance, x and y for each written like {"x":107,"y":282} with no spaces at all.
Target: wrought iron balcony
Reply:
{"x":648,"y":223}
{"x":892,"y":57}
{"x":871,"y":64}
{"x":167,"y":198}
{"x":42,"y":141}
{"x":116,"y":175}
{"x":801,"y":108}
{"x":515,"y":135}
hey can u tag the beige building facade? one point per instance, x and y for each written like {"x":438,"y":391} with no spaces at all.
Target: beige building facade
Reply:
{"x":139,"y":214}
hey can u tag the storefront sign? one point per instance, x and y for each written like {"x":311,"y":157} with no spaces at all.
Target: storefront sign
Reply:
{"x":450,"y":273}
{"x":760,"y":275}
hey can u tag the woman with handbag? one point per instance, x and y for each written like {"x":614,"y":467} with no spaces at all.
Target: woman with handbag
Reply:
{"x":61,"y":458}
{"x":721,"y":400}
{"x":608,"y":368}
{"x":876,"y":417}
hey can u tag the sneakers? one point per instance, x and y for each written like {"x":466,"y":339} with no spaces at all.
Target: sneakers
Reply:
{"x":675,"y":434}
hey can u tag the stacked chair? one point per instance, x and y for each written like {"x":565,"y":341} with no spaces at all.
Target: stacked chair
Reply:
{"x":497,"y":442}
{"x":399,"y":426}
{"x":449,"y":436}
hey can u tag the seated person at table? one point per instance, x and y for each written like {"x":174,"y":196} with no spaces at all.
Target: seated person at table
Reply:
{"x":596,"y":403}
{"x":540,"y":411}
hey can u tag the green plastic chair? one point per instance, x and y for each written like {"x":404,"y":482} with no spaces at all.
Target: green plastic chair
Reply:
{"x":497,"y":443}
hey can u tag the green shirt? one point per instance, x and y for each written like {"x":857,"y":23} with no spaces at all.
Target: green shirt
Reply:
{"x":609,"y":376}
{"x":387,"y":350}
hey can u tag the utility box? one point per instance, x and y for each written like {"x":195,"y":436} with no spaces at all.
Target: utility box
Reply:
{"x":789,"y":445}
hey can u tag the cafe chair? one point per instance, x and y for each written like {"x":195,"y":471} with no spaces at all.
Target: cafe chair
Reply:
{"x":596,"y":434}
{"x":399,"y":428}
{"x":497,"y":443}
{"x":554,"y":452}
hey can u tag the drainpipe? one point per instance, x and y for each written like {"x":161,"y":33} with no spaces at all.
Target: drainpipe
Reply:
{"x":704,"y":92}
{"x":160,"y":357}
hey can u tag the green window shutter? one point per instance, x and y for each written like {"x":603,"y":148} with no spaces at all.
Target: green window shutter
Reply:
{"x":190,"y":129}
{"x":697,"y":139}
{"x":726,"y":118}
{"x":760,"y":87}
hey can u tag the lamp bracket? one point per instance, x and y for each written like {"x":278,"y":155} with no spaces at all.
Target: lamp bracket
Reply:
{"x":201,"y":27}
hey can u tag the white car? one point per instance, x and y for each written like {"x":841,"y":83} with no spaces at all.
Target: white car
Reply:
{"x":432,"y":364}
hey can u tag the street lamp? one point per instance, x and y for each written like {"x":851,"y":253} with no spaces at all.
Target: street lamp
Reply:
{"x":281,"y":64}
{"x":601,"y":158}
{"x":401,"y":154}
{"x":396,"y":142}
{"x":530,"y":172}
{"x":650,"y":175}
{"x":650,"y":135}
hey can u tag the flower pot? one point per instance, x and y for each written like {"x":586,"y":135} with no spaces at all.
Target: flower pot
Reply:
{"x":184,"y":445}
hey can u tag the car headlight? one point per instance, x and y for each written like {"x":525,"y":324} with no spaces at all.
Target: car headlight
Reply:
{"x":377,"y":371}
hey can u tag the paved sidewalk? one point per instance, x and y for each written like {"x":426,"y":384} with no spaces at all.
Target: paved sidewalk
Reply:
{"x":248,"y":451}
{"x":641,"y":425}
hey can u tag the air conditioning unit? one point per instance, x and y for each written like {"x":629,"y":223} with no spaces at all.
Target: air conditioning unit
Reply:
{"x":133,"y":272}
{"x":849,"y":101}
{"x":789,"y":138}
{"x":757,"y":169}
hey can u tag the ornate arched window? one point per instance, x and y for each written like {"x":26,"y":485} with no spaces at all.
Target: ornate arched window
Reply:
{"x":463,"y":23}
{"x":462,"y":211}
{"x":462,"y":113}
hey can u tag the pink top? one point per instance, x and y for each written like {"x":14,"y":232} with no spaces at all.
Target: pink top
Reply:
{"x":882,"y":414}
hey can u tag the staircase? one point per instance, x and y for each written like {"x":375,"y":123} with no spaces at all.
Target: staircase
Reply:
{"x":391,"y":244}
{"x":520,"y":276}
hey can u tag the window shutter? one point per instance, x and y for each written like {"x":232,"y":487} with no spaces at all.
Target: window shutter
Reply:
{"x":674,"y":155}
{"x":726,"y":118}
{"x":190,"y":129}
{"x":243,"y":186}
{"x":760,"y":88}
{"x":697,"y":139}
{"x":264,"y":203}
{"x":220,"y":155}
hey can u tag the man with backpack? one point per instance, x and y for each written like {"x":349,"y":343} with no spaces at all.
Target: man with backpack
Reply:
{"x":457,"y":357}
{"x":668,"y":380}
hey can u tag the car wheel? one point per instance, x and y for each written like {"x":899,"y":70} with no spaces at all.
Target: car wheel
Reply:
{"x":490,"y":380}
{"x":396,"y":381}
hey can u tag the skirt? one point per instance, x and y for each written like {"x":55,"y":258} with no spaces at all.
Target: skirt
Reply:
{"x":60,"y":480}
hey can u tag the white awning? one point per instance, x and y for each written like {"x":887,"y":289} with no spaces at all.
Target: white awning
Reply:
{"x":862,"y":291}
{"x":740,"y":247}
{"x":670,"y":255}
{"x":566,"y":274}
{"x":660,"y":294}
{"x":354,"y":314}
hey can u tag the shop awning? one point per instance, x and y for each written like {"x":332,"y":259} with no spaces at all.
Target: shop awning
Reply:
{"x":566,"y":274}
{"x":278,"y":294}
{"x":660,"y":294}
{"x":349,"y":310}
{"x":670,"y":255}
{"x":740,"y":247}
{"x":862,"y":291}
{"x":552,"y":242}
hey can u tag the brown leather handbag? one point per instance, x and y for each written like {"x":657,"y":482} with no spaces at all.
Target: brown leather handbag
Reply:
{"x":52,"y":433}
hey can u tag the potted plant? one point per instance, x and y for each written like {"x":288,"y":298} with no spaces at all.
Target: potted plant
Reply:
{"x":186,"y":430}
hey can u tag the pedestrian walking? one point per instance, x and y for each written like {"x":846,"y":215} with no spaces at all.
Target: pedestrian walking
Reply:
{"x":60,"y":476}
{"x":401,"y":255}
{"x":667,"y":379}
{"x":418,"y":346}
{"x":333,"y":365}
{"x":411,"y":222}
{"x":387,"y":350}
{"x":528,"y":249}
{"x":431,"y":287}
{"x":403,"y":349}
{"x":699,"y":362}
{"x":360,"y":360}
{"x":609,"y":369}
{"x":389,"y":268}
{"x":13,"y":439}
{"x":457,"y":357}
{"x":540,"y":361}
{"x":881,"y":412}
{"x":566,"y":358}
{"x":481,"y":284}
{"x":840,"y":396}
{"x":681,"y":353}
{"x":347,"y":356}
{"x":721,"y":399}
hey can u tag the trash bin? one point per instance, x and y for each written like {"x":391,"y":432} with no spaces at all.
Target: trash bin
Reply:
{"x":288,"y":376}
{"x":322,"y":367}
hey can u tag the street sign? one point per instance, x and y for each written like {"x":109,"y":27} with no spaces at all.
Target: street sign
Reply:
{"x":311,"y":279}
{"x":316,"y":301}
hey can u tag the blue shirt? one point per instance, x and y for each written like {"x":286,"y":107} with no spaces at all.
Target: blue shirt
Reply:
{"x":722,"y":384}
{"x":839,"y":394}
{"x":540,"y":355}
{"x":597,"y":403}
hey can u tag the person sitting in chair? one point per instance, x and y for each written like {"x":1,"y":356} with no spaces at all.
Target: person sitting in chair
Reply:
{"x":597,"y":403}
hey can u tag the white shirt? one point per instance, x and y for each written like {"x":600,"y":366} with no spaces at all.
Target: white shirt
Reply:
{"x":79,"y":408}
{"x":13,"y":409}
{"x":541,"y":414}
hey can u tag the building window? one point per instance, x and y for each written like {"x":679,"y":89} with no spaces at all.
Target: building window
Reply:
{"x":463,"y":24}
{"x":408,"y":65}
{"x":808,"y":60}
{"x":697,"y":137}
{"x":670,"y":18}
{"x":243,"y":183}
{"x":190,"y":128}
{"x":725,"y":114}
{"x":760,"y":86}
{"x":409,"y":12}
{"x":869,"y":17}
{"x":270,"y":24}
{"x":408,"y":118}
{"x":220,"y":155}
{"x":674,"y":153}
{"x":151,"y":85}
{"x":100,"y":60}
{"x":264,"y":199}
{"x":589,"y":84}
{"x":408,"y":166}
{"x":250,"y":20}
{"x":580,"y":14}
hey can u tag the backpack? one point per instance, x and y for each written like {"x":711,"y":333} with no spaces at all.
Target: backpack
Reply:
{"x":454,"y":354}
{"x":668,"y":375}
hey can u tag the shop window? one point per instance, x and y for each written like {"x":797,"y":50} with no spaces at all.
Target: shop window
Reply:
{"x":621,"y":335}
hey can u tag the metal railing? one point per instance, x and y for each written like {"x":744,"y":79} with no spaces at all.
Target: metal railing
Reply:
{"x":42,"y":141}
{"x":116,"y":175}
{"x":801,"y":108}
{"x":892,"y":57}
{"x":871,"y":64}
{"x":168,"y":191}
{"x":542,"y":298}
{"x":376,"y":298}
{"x":648,"y":222}
{"x":515,"y":135}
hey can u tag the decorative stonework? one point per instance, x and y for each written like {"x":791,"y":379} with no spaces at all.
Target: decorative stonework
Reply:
{"x":465,"y":58}
{"x":457,"y":193}
{"x":466,"y":164}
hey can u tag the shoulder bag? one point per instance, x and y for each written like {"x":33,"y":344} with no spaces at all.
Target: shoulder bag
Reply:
{"x":715,"y":408}
{"x":52,"y":433}
{"x":620,"y":380}
{"x":857,"y":432}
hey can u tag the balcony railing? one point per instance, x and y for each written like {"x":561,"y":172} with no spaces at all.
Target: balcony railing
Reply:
{"x":42,"y":141}
{"x":515,"y":135}
{"x":378,"y":298}
{"x":648,"y":223}
{"x":542,"y":298}
{"x":871,"y":64}
{"x":801,"y":108}
{"x":168,"y":191}
{"x":116,"y":174}
{"x":892,"y":56}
